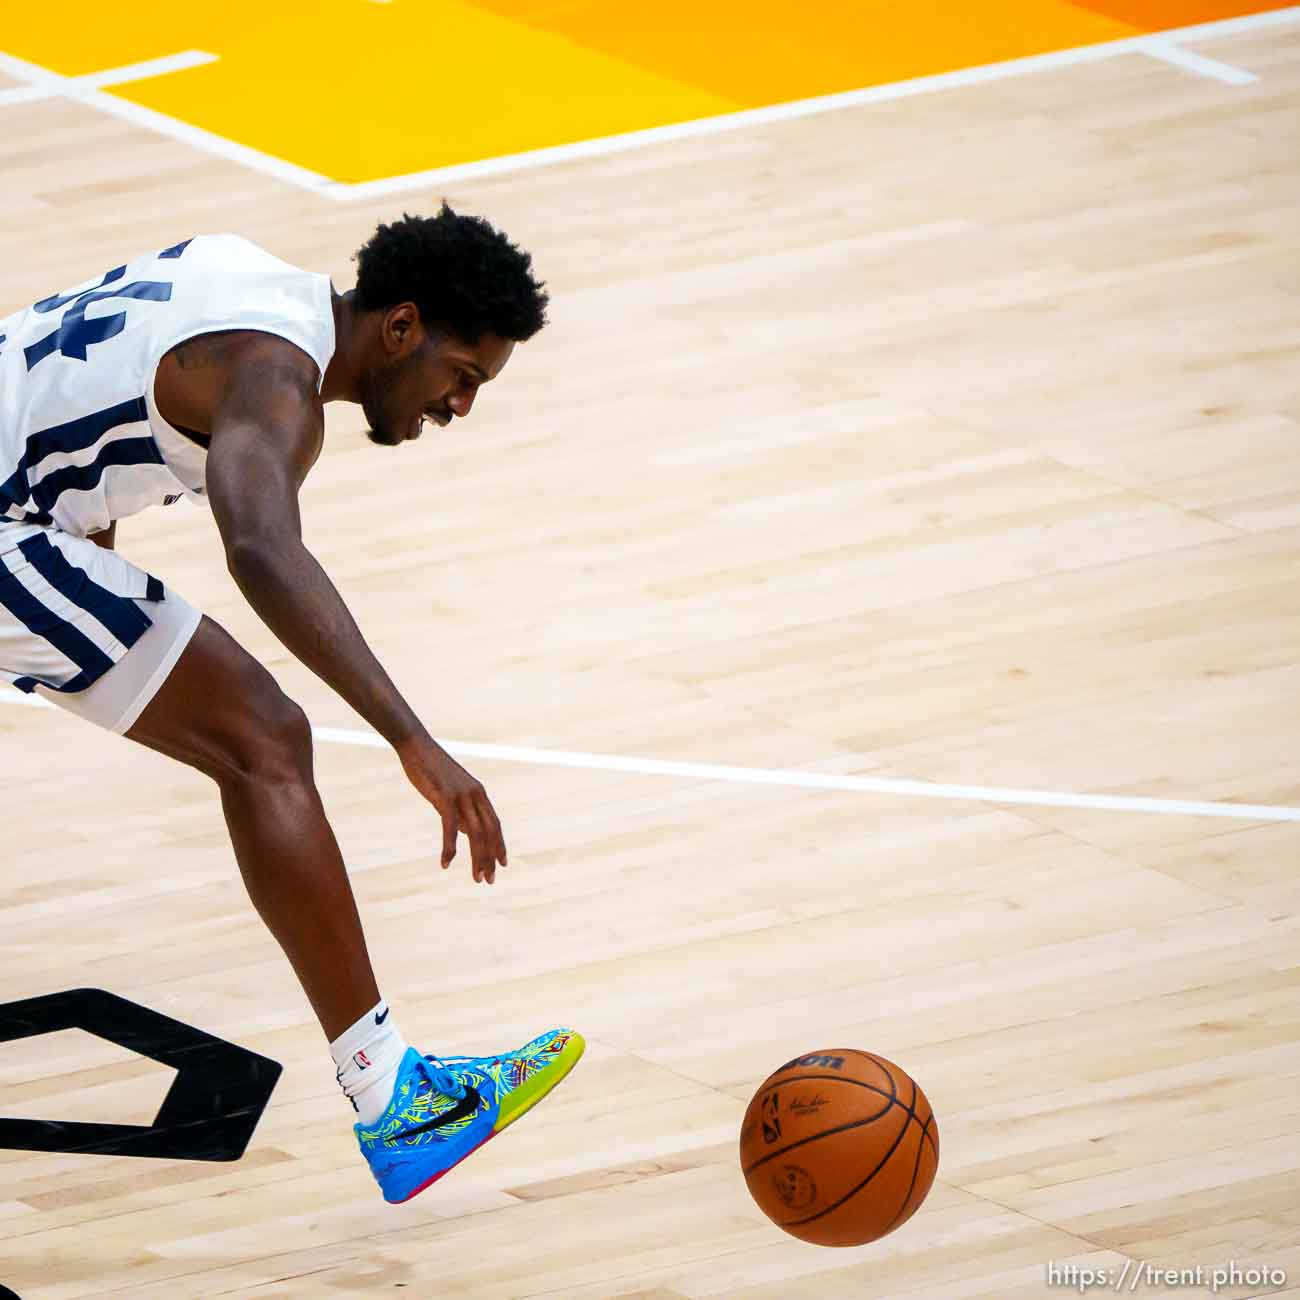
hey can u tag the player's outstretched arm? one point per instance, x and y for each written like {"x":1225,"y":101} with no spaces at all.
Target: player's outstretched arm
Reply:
{"x":266,"y":434}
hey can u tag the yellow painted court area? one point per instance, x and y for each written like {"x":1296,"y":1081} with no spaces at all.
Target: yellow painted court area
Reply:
{"x":362,"y":89}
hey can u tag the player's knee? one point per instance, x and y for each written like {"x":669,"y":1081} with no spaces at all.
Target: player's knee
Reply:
{"x":284,"y":741}
{"x":274,"y":744}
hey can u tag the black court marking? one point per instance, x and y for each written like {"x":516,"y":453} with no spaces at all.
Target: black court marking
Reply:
{"x":209,"y":1113}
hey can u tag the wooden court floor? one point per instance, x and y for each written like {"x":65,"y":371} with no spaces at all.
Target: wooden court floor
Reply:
{"x":952,"y":439}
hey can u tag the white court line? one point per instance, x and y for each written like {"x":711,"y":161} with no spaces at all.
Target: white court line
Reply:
{"x":794,"y":778}
{"x":1161,"y":45}
{"x":43,"y":84}
{"x":208,"y":142}
{"x":830,"y":781}
{"x":149,"y":68}
{"x":1167,"y":52}
{"x":24,"y":95}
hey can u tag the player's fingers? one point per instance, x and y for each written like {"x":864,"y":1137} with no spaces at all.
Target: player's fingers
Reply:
{"x":449,"y":828}
{"x":484,"y":868}
{"x":492,"y":828}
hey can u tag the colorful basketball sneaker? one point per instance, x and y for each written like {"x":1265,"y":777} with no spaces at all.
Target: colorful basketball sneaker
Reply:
{"x":444,"y":1108}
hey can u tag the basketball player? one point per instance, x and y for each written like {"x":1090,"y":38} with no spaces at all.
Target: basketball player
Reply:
{"x":201,"y":371}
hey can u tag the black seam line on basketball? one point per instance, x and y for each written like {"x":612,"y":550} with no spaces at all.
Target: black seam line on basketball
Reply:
{"x":916,"y":1168}
{"x":925,"y":1132}
{"x":871,"y":1056}
{"x":891,"y":1097}
{"x":875,"y":1060}
{"x":884,"y":1160}
{"x":853,"y":1191}
{"x":911,"y":1185}
{"x":839,"y":1128}
{"x":887,"y":1067}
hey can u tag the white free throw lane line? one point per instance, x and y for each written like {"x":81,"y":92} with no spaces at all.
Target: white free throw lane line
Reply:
{"x":43,"y":84}
{"x":792,"y":777}
{"x":1164,"y":46}
{"x":1168,"y":52}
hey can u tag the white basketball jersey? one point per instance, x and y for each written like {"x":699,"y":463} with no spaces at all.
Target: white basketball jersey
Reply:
{"x":81,"y":439}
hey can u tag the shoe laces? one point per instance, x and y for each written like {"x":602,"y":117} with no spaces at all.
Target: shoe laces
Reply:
{"x":451,"y":1062}
{"x":438,"y":1072}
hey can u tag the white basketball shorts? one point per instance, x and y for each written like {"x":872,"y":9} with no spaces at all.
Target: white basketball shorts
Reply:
{"x":85,"y":628}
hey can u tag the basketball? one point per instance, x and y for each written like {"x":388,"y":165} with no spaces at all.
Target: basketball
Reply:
{"x":839,"y":1147}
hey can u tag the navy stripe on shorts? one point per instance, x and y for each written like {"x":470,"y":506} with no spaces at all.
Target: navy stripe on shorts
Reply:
{"x":120,"y":615}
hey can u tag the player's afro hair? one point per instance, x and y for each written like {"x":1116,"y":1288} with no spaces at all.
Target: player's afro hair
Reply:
{"x":459,"y":271}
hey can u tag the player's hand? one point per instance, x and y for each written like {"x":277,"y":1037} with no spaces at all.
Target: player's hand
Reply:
{"x":462,"y":803}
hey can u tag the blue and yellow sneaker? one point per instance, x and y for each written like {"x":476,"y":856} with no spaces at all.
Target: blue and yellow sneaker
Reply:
{"x":444,"y":1108}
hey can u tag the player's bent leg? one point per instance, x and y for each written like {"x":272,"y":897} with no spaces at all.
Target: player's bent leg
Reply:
{"x":221,"y":712}
{"x":185,"y":689}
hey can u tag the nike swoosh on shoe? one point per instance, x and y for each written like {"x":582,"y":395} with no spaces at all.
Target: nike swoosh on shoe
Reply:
{"x":467,"y":1106}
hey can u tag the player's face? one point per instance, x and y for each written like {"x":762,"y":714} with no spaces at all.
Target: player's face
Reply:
{"x":430,"y":377}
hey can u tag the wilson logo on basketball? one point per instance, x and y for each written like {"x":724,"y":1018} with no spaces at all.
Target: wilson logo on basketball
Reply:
{"x":820,"y":1062}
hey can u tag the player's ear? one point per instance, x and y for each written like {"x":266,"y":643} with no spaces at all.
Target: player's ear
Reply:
{"x":402,"y":329}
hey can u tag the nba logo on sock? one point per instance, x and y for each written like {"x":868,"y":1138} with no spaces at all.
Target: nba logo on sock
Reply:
{"x":362,"y":1060}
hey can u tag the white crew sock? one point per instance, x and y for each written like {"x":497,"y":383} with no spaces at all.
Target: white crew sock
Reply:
{"x":366,"y":1056}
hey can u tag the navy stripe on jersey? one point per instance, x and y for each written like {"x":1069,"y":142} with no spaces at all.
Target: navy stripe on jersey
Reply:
{"x":75,"y":435}
{"x":119,"y":614}
{"x":176,"y":249}
{"x":81,"y":478}
{"x":45,"y":623}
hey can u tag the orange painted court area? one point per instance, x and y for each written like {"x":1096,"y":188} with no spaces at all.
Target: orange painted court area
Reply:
{"x":365,"y":89}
